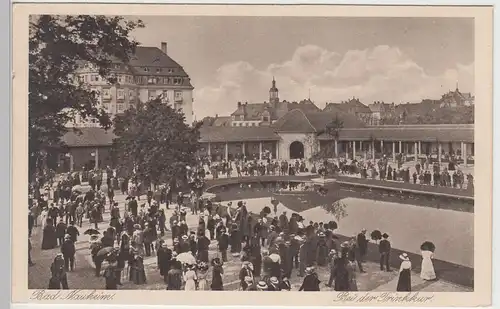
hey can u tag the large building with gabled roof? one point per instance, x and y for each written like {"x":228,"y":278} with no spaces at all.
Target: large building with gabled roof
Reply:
{"x":266,"y":113}
{"x":150,"y":73}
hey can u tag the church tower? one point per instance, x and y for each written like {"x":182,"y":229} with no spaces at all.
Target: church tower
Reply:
{"x":273,"y":93}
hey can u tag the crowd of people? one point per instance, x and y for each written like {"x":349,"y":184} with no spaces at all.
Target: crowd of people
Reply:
{"x":271,"y":248}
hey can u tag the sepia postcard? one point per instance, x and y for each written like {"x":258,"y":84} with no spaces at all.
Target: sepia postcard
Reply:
{"x":325,"y":151}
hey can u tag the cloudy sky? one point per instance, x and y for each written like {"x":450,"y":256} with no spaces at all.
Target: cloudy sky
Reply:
{"x":231,"y":59}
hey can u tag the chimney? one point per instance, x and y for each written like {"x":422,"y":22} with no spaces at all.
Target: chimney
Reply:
{"x":239,"y":104}
{"x":164,"y":47}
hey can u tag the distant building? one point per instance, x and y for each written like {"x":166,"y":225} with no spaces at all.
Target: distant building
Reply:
{"x":456,"y":98}
{"x":264,"y":114}
{"x":353,"y":107}
{"x":380,"y":111}
{"x":149,"y":74}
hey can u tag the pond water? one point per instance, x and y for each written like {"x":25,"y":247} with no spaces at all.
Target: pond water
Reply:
{"x":408,"y":219}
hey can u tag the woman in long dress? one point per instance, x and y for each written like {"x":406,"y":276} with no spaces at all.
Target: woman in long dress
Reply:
{"x":404,"y":281}
{"x":351,"y":271}
{"x":427,"y":269}
{"x":202,"y":278}
{"x":49,"y":238}
{"x":217,"y":272}
{"x":189,"y":279}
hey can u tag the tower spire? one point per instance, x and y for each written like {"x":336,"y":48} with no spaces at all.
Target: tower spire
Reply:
{"x":457,"y":86}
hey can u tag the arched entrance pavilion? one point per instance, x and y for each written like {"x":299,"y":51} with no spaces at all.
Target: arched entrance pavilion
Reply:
{"x":296,"y":150}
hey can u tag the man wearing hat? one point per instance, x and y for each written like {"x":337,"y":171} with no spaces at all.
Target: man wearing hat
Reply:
{"x":384,"y":248}
{"x":133,"y":206}
{"x":362,"y":243}
{"x":223,"y":244}
{"x":250,"y":286}
{"x":68,"y":251}
{"x":274,"y":284}
{"x":262,"y":286}
{"x":311,"y":281}
{"x":60,"y":231}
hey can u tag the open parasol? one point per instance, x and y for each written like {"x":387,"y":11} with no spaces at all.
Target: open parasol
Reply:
{"x":105,"y":251}
{"x":208,"y":196}
{"x":428,"y":246}
{"x":91,"y":232}
{"x":186,"y":258}
{"x":275,"y":258}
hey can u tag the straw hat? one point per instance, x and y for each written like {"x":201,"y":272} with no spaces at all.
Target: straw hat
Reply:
{"x":185,"y":237}
{"x":274,"y":280}
{"x":137,"y":226}
{"x":261,"y":285}
{"x":404,"y":256}
{"x":67,"y":236}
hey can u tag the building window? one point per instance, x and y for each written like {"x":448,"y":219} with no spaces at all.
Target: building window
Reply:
{"x":120,"y":94}
{"x":158,"y":70}
{"x":177,"y":80}
{"x":117,"y":66}
{"x":164,"y":98}
{"x":240,"y":124}
{"x":178,"y":96}
{"x":242,"y":117}
{"x":106,"y":94}
{"x":120,"y":107}
{"x":178,"y":107}
{"x":146,"y":69}
{"x":265,"y":118}
{"x":131,"y":94}
{"x":253,"y":124}
{"x":170,"y":70}
{"x":152,"y":80}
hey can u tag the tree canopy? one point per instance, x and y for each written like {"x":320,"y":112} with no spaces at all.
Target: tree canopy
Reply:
{"x":58,"y":46}
{"x":154,"y":142}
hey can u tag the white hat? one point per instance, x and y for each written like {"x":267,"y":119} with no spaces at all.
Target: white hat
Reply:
{"x":261,"y":285}
{"x":404,"y":256}
{"x":274,"y":280}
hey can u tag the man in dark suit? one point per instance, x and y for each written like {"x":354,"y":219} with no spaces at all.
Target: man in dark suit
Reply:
{"x":384,"y":248}
{"x":132,"y":206}
{"x":362,"y":243}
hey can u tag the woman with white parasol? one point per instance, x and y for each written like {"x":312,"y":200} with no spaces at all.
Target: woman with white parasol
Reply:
{"x":427,"y":270}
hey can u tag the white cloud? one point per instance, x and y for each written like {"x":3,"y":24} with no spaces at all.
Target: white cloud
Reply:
{"x":382,"y":73}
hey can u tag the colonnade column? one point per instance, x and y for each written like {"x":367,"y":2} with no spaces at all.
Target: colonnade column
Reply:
{"x":439,"y":153}
{"x":373,"y":149}
{"x":336,"y":149}
{"x":96,"y":157}
{"x":400,"y":147}
{"x":209,"y":152}
{"x":353,"y":150}
{"x":260,"y":150}
{"x":244,"y":148}
{"x":71,"y":163}
{"x":393,"y":151}
{"x":419,"y":147}
{"x":464,"y":153}
{"x":226,"y":152}
{"x":382,"y":147}
{"x":277,"y":150}
{"x":416,"y":151}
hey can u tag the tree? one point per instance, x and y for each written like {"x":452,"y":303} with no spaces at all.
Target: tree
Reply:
{"x":154,"y":142}
{"x":58,"y":47}
{"x":337,"y":209}
{"x":334,"y":127}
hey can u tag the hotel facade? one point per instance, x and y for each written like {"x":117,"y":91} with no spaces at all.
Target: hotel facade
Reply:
{"x":150,"y":74}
